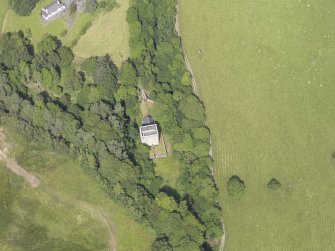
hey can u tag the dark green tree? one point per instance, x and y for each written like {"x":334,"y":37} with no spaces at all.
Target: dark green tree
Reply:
{"x":105,"y":76}
{"x":274,"y":184}
{"x":128,"y":74}
{"x":48,"y":44}
{"x":66,"y":56}
{"x":162,"y":244}
{"x":23,"y":7}
{"x":236,"y":186}
{"x":14,"y":48}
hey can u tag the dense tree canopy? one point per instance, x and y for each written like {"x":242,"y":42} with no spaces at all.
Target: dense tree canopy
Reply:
{"x":91,"y":112}
{"x":23,"y":7}
{"x":159,"y":65}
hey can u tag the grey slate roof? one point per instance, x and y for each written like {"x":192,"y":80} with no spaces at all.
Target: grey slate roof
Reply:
{"x":149,"y":134}
{"x":53,"y":10}
{"x":147,"y":120}
{"x":52,"y":7}
{"x":149,"y":130}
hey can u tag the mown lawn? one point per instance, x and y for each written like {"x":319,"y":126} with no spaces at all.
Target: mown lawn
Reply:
{"x":265,"y":70}
{"x":168,"y":168}
{"x":68,"y":205}
{"x":108,"y":34}
{"x":38,"y":28}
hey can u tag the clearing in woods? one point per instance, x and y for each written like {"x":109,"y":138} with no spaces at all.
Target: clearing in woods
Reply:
{"x":265,"y":71}
{"x":109,"y":33}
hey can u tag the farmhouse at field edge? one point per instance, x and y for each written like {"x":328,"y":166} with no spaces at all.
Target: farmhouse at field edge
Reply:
{"x":53,"y":9}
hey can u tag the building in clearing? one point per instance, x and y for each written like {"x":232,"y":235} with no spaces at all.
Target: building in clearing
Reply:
{"x":54,"y":9}
{"x":149,"y":132}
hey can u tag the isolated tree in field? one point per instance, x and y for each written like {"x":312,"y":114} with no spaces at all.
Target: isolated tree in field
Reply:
{"x":236,"y":186}
{"x":274,"y":184}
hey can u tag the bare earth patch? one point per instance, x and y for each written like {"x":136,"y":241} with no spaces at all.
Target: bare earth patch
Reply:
{"x":12,"y":164}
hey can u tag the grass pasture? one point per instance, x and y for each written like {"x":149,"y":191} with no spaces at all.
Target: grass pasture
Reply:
{"x":109,"y":33}
{"x":265,"y":71}
{"x":67,"y":206}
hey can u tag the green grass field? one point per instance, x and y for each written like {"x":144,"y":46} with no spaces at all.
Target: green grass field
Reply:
{"x":108,"y":34}
{"x":68,"y":205}
{"x":3,"y":9}
{"x":95,"y":42}
{"x":168,"y":168}
{"x":265,"y":71}
{"x":38,"y":28}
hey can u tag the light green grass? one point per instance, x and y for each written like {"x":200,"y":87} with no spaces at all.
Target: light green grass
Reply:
{"x":161,"y":148}
{"x":80,"y":20}
{"x":168,"y":168}
{"x":38,"y":28}
{"x":69,"y":204}
{"x":265,"y":70}
{"x":146,"y":107}
{"x":3,"y":9}
{"x":108,"y":34}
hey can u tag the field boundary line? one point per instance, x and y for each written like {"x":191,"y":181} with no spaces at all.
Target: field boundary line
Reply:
{"x":187,"y":61}
{"x":196,"y":92}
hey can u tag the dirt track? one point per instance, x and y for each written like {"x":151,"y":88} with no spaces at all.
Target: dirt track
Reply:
{"x":18,"y":170}
{"x":12,"y":164}
{"x":93,"y":210}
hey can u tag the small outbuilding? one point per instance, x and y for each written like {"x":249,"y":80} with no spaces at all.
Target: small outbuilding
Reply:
{"x":149,"y":132}
{"x":54,"y":9}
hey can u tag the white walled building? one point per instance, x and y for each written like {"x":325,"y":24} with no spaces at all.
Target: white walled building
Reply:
{"x":149,"y":132}
{"x":52,"y":10}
